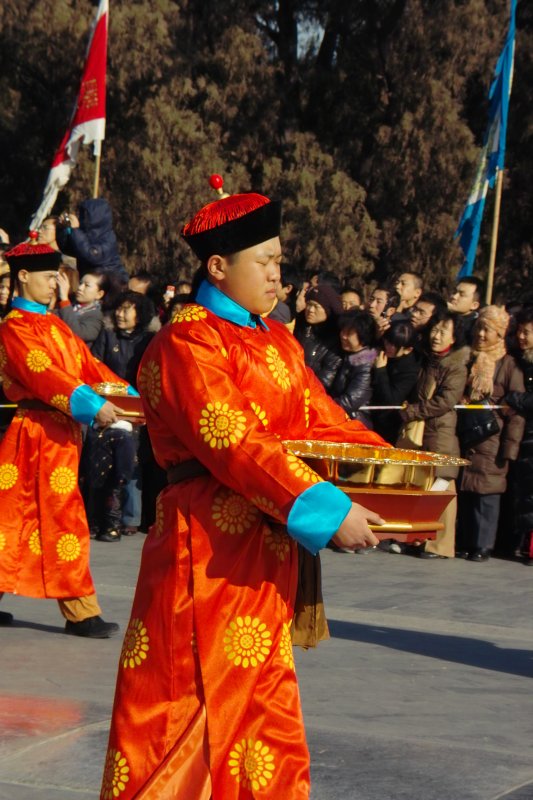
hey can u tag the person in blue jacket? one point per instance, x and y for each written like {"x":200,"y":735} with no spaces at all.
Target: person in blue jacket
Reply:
{"x":90,"y":238}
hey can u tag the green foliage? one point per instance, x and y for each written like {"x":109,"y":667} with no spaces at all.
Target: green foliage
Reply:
{"x":365,"y":118}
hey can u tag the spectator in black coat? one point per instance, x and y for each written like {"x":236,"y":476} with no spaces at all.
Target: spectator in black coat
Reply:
{"x":112,"y":482}
{"x":126,"y":334}
{"x":523,"y":468}
{"x":352,"y":387}
{"x":91,"y":239}
{"x":317,"y":332}
{"x":394,"y":378}
{"x":466,"y":301}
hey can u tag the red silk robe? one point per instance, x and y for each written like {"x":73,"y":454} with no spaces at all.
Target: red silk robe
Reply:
{"x":207,"y":701}
{"x":44,"y":538}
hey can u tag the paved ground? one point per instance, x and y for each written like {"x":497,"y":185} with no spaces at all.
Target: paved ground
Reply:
{"x":424,"y":691}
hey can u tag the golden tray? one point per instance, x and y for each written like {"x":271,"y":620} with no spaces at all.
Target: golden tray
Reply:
{"x":394,"y":482}
{"x":117,"y":394}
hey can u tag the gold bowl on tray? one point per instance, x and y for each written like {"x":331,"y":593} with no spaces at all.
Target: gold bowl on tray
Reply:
{"x":117,"y":393}
{"x":394,"y":482}
{"x":107,"y":387}
{"x":371,"y":466}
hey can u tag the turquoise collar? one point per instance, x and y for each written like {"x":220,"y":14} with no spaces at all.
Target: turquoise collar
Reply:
{"x":29,"y":305}
{"x":223,"y":306}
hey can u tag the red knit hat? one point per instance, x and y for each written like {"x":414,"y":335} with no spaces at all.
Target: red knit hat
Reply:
{"x":33,"y":257}
{"x":232,"y":224}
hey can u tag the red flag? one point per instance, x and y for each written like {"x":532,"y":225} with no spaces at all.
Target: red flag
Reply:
{"x":88,"y":120}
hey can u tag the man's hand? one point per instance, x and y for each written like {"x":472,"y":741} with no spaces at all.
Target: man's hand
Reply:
{"x":74,"y":221}
{"x":107,"y":415}
{"x":383,"y":324}
{"x":354,"y":531}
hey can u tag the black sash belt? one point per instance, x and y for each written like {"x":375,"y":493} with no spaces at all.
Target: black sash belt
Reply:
{"x":35,"y":405}
{"x":185,"y":471}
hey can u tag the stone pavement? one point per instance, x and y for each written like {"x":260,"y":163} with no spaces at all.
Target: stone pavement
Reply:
{"x":424,"y":691}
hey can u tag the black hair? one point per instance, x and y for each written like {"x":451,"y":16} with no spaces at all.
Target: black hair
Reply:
{"x":110,"y":285}
{"x":143,"y":275}
{"x":445,"y":316}
{"x":479,"y":286}
{"x":524,"y":316}
{"x":400,"y":334}
{"x":362,"y":322}
{"x":434,"y":298}
{"x":329,"y":278}
{"x":143,"y":306}
{"x":199,"y":276}
{"x":356,"y":289}
{"x":289,"y":274}
{"x":393,"y":298}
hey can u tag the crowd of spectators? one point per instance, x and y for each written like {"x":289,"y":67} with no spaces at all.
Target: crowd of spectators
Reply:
{"x":388,"y":355}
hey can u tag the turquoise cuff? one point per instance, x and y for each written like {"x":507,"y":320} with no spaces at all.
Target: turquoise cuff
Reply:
{"x":317,"y":515}
{"x":85,"y":404}
{"x":133,"y":392}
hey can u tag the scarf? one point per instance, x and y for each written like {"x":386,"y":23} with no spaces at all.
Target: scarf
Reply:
{"x":481,"y":378}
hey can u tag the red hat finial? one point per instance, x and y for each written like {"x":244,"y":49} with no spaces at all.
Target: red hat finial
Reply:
{"x":33,"y":236}
{"x":216,"y":182}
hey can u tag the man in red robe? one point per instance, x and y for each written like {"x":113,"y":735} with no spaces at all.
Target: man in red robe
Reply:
{"x":207,"y":702}
{"x":48,"y":371}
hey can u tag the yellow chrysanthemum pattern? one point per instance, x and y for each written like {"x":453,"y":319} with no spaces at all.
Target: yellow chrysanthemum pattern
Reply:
{"x":277,"y":367}
{"x":232,"y":513}
{"x":116,"y":775}
{"x":224,"y":352}
{"x":38,"y":360}
{"x":307,"y":404}
{"x":136,"y":645}
{"x":68,"y":547}
{"x":4,"y":380}
{"x":14,"y":314}
{"x":189,"y":314}
{"x":247,"y":642}
{"x":78,"y":359}
{"x":63,"y":480}
{"x":221,"y":425}
{"x":3,"y":541}
{"x":61,"y":402}
{"x":9,"y":474}
{"x":3,"y":356}
{"x":150,"y":382}
{"x":302,"y":470}
{"x":251,"y":763}
{"x":56,"y":336}
{"x":267,"y":507}
{"x":35,"y":544}
{"x":277,"y":541}
{"x":285,"y":646}
{"x":260,"y":413}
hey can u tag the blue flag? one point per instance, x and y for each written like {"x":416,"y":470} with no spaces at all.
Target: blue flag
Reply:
{"x":493,"y":153}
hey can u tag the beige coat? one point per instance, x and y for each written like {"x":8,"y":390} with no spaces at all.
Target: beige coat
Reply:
{"x":489,"y":459}
{"x":440,"y":386}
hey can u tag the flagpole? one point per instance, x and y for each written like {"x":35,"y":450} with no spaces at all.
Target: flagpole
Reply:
{"x":494,"y":239}
{"x":96,"y":184}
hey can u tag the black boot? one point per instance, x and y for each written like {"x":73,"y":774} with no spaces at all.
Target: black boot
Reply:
{"x":111,"y":530}
{"x":92,"y":628}
{"x":5,"y":618}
